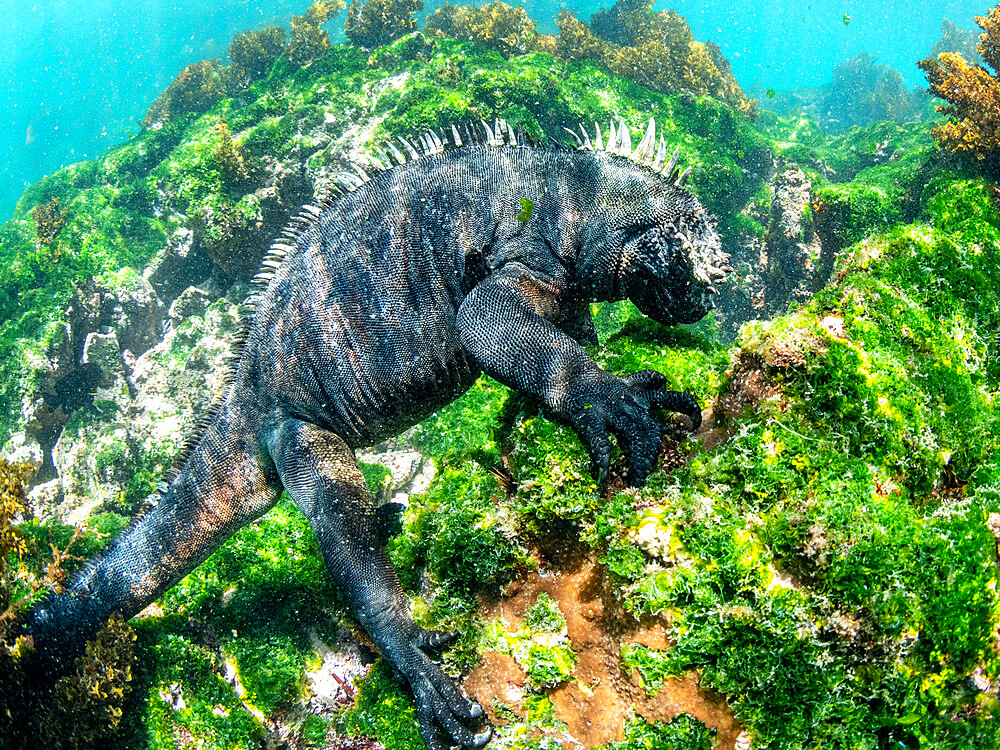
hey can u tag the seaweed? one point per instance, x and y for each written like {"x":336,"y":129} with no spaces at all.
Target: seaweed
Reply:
{"x":495,"y":25}
{"x":308,"y":40}
{"x":378,"y":22}
{"x":49,"y":220}
{"x":194,"y":90}
{"x":973,"y":94}
{"x":252,"y":55}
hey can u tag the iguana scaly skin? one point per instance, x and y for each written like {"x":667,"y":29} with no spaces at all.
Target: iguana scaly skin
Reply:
{"x":382,"y":306}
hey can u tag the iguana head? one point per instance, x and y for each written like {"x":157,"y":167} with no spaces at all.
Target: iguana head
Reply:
{"x":662,"y":248}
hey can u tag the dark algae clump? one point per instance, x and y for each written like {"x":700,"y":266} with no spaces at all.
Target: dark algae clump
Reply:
{"x":817,"y":566}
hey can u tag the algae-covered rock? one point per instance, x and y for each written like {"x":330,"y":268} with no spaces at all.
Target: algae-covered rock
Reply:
{"x":817,"y":566}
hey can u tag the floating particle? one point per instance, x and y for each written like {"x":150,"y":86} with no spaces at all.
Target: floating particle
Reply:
{"x":770,"y":93}
{"x":847,"y":19}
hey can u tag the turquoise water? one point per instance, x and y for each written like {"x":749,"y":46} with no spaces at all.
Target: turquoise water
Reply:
{"x":76,"y":75}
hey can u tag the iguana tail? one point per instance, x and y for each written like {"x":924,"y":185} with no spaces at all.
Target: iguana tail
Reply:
{"x":222,"y":485}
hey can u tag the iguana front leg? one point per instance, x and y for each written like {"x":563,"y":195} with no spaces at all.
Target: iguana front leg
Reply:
{"x":503,"y":328}
{"x":321,"y":475}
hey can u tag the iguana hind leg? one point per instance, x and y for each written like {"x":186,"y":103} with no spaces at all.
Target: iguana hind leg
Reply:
{"x":225,"y":484}
{"x":320,"y":473}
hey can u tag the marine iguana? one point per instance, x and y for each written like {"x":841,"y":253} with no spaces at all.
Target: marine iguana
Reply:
{"x":386,"y":303}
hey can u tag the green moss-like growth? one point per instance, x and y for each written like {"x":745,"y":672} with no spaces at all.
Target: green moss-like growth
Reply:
{"x":814,"y":542}
{"x":545,"y":615}
{"x":382,"y":711}
{"x":864,"y":180}
{"x":457,"y":533}
{"x":681,"y":733}
{"x":540,"y":646}
{"x":467,"y":425}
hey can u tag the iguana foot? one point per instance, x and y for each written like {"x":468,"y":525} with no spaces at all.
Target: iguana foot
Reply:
{"x":624,"y":407}
{"x":447,"y":718}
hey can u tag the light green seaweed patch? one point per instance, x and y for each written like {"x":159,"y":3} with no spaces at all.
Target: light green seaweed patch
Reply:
{"x":540,"y":646}
{"x":683,"y":732}
{"x":653,"y":666}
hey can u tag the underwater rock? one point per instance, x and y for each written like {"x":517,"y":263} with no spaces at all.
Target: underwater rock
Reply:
{"x":90,"y":462}
{"x":176,"y":379}
{"x":103,"y":352}
{"x":789,"y":263}
{"x":46,"y":498}
{"x":105,"y":325}
{"x":235,"y":240}
{"x":797,"y":266}
{"x":410,"y":473}
{"x":332,"y":684}
{"x":592,"y":707}
{"x":131,"y":308}
{"x":192,"y":301}
{"x":23,"y":448}
{"x":112,"y":451}
{"x":180,"y":264}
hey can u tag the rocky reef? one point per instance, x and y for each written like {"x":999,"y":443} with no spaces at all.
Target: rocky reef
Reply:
{"x":817,"y":566}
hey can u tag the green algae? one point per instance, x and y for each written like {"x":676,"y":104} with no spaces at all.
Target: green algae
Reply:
{"x":681,"y":733}
{"x":454,"y":533}
{"x":828,"y":568}
{"x":382,"y":711}
{"x":540,"y":646}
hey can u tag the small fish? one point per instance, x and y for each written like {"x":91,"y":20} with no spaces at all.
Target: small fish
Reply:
{"x":29,"y":136}
{"x":847,"y":19}
{"x":526,"y":208}
{"x":770,"y":93}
